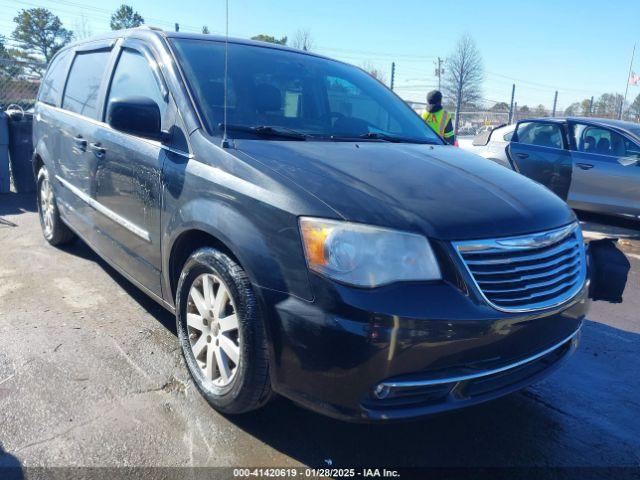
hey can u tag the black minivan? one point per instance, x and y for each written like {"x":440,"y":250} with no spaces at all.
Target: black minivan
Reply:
{"x":313,"y":236}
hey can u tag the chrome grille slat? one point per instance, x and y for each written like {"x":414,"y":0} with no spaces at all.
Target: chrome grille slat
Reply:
{"x":533,"y":295}
{"x":562,"y":249}
{"x":528,"y":267}
{"x":528,"y":272}
{"x":574,"y":265}
{"x":529,"y":286}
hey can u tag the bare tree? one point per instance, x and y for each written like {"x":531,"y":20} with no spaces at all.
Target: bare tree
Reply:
{"x":375,"y":72}
{"x":463,"y":81}
{"x":608,"y":105}
{"x":303,"y":40}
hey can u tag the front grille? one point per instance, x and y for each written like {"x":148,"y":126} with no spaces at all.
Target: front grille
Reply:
{"x":529,"y":272}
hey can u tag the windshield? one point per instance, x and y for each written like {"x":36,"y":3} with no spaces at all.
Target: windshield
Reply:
{"x":635,"y":131}
{"x":302,"y":93}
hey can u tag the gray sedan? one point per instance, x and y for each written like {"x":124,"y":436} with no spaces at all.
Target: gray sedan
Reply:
{"x":594,"y":164}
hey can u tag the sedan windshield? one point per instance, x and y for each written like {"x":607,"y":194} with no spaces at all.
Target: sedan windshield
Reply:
{"x":271,"y":91}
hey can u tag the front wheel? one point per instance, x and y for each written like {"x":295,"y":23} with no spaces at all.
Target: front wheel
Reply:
{"x":53,"y":228}
{"x":221,"y":332}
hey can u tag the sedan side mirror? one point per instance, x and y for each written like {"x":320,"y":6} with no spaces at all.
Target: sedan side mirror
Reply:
{"x":136,"y":115}
{"x":629,"y":161}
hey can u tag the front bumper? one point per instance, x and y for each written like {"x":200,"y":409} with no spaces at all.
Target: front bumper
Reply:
{"x":425,"y":347}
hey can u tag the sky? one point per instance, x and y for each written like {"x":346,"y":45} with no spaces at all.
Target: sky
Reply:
{"x":578,"y":47}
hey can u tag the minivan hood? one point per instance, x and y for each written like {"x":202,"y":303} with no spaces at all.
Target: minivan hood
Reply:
{"x":442,"y":191}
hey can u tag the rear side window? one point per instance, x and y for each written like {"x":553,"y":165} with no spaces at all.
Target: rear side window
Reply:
{"x":83,"y":85}
{"x":540,"y":134}
{"x":53,"y":82}
{"x":590,"y":139}
{"x":133,"y":77}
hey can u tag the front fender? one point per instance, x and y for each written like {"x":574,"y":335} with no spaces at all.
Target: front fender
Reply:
{"x":270,"y":253}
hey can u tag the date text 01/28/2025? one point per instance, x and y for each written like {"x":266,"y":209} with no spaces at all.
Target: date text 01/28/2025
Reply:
{"x":314,"y":473}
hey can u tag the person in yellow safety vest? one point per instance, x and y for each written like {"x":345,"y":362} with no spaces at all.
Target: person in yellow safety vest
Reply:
{"x":438,"y":118}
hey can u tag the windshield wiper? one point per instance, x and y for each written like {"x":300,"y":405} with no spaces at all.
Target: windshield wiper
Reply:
{"x":266,"y":130}
{"x":384,"y":137}
{"x":394,"y":138}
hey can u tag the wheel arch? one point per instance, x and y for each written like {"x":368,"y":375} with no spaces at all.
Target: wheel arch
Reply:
{"x":184,"y":245}
{"x":267,"y":252}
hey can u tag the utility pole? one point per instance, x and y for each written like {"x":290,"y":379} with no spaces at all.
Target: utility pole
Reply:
{"x":555,"y":103}
{"x":515,"y":112}
{"x":590,"y":107}
{"x":177,"y":27}
{"x":393,"y":74}
{"x":626,"y":90}
{"x":458,"y":107}
{"x":439,"y":72}
{"x":513,"y":94}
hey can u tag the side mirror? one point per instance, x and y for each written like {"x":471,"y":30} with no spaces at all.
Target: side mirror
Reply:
{"x":629,"y":161}
{"x":136,"y":115}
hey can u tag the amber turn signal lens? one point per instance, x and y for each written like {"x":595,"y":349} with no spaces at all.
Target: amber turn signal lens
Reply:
{"x":314,"y":238}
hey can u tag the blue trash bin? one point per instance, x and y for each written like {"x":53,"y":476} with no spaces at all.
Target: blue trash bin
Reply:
{"x":21,"y":151}
{"x":4,"y":153}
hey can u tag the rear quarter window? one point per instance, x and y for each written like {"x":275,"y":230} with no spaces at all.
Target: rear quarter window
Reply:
{"x":53,"y":83}
{"x":83,"y":86}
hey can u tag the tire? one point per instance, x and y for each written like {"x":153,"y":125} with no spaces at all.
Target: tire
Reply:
{"x":54,"y":229}
{"x":242,"y":383}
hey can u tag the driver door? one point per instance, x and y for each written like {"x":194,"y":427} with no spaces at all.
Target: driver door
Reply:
{"x":128,"y":180}
{"x":540,"y":150}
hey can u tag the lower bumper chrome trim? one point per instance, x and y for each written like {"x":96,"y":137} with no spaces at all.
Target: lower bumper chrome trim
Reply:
{"x":485,"y":373}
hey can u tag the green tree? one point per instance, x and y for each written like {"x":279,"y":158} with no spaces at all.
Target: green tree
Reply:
{"x":40,"y":35}
{"x":9,"y":66}
{"x":585,"y":106}
{"x":205,"y":30}
{"x":125,"y":17}
{"x":270,"y":39}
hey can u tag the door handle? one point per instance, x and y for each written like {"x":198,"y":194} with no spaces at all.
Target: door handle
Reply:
{"x":585,"y":166}
{"x":522,"y":155}
{"x":79,"y":143}
{"x":97,"y":149}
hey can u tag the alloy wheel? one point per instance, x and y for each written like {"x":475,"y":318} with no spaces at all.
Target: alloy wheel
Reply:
{"x":46,"y":205}
{"x":212,"y":326}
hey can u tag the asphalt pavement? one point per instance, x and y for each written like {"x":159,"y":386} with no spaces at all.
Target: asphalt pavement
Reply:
{"x":91,"y":375}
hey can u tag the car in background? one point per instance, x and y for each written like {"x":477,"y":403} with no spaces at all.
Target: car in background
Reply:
{"x":492,"y":144}
{"x":591,"y":163}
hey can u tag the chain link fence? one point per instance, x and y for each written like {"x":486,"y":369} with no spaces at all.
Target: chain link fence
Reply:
{"x":474,"y":120}
{"x":19,"y":83}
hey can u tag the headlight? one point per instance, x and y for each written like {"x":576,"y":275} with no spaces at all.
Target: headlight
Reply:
{"x":366,"y":256}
